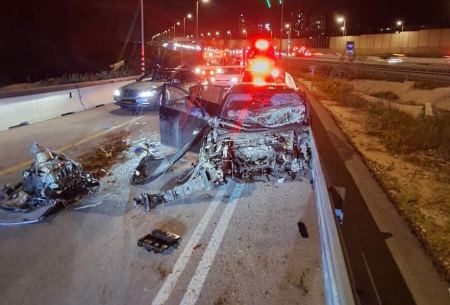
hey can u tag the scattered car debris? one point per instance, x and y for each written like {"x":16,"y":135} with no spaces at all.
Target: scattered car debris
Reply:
{"x":302,"y":229}
{"x":100,"y":158}
{"x":159,"y":241}
{"x":197,"y":246}
{"x":52,"y":178}
{"x":147,"y":201}
{"x":269,"y":138}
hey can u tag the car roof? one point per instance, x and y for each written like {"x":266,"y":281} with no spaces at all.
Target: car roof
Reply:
{"x":245,"y":87}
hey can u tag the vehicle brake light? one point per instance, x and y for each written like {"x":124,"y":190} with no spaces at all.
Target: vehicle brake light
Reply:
{"x":262,"y":44}
{"x":259,"y":81}
{"x":261,"y":66}
{"x":275,"y":73}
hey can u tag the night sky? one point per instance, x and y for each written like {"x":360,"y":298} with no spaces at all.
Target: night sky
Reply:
{"x":49,"y":37}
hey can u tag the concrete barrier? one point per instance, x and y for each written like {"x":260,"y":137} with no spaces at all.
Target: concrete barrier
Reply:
{"x":96,"y":96}
{"x":23,"y":110}
{"x":40,"y":104}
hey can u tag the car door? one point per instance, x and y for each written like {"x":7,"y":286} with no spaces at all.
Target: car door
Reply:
{"x":186,"y":79}
{"x":184,"y":114}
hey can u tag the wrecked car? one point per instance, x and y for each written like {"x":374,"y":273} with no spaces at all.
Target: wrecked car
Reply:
{"x":248,"y":133}
{"x":51,"y":179}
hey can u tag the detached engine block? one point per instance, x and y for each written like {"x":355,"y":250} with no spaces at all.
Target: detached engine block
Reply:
{"x":51,"y":178}
{"x":244,"y":156}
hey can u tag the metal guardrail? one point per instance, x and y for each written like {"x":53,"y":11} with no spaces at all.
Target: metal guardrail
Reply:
{"x":336,"y":277}
{"x":55,"y":88}
{"x":439,"y":75}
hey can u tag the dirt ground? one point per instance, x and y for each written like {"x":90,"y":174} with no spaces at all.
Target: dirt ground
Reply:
{"x":439,"y":97}
{"x":418,"y":184}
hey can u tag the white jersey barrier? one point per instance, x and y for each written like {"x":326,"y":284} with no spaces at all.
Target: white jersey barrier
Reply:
{"x":54,"y":102}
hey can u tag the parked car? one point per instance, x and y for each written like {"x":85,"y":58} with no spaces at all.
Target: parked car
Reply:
{"x":148,"y":90}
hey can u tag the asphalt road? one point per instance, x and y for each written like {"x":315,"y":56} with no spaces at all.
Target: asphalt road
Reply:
{"x":240,"y":243}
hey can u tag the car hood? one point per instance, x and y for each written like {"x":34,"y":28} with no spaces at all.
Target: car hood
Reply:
{"x":141,"y":86}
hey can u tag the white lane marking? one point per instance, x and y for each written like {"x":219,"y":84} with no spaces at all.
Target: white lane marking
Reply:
{"x":195,"y":286}
{"x":171,"y":280}
{"x":371,"y":278}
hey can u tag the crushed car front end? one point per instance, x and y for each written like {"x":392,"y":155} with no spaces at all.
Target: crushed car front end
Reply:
{"x":260,"y":133}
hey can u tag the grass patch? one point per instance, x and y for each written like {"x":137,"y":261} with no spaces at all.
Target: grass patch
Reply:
{"x":402,"y":133}
{"x":341,"y":92}
{"x":428,"y":85}
{"x":386,"y":95}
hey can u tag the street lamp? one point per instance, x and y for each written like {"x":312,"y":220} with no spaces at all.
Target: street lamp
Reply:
{"x":244,"y":31}
{"x":142,"y":39}
{"x":188,"y":16}
{"x":196,"y":23}
{"x":175,"y":27}
{"x":342,"y":20}
{"x":218,"y":34}
{"x":288,"y":28}
{"x":401,"y":24}
{"x":229,"y":34}
{"x":268,"y":29}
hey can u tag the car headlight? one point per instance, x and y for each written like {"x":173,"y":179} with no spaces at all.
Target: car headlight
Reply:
{"x":147,"y":93}
{"x":117,"y":92}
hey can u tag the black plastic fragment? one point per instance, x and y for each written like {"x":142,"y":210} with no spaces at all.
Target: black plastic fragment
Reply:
{"x":159,"y":241}
{"x":302,"y":229}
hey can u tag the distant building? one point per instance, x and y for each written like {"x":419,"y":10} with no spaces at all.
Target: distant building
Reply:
{"x":317,"y":25}
{"x":299,"y":23}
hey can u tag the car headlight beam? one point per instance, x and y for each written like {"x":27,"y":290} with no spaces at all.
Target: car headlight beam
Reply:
{"x":149,"y":93}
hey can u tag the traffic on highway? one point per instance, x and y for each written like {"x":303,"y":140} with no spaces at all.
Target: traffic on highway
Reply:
{"x":265,"y":163}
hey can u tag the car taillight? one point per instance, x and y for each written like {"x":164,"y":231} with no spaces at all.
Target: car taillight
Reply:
{"x":260,"y":66}
{"x":275,"y":73}
{"x":262,"y":44}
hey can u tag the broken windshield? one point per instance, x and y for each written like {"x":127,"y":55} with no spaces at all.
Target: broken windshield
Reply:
{"x":264,"y":109}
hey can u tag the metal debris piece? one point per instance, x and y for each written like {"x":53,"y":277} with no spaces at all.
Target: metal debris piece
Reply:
{"x":159,"y":241}
{"x":52,"y":178}
{"x":149,"y":201}
{"x":243,"y":157}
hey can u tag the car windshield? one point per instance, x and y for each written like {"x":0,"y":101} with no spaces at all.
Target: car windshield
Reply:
{"x":271,"y":107}
{"x":157,"y":76}
{"x":232,"y":70}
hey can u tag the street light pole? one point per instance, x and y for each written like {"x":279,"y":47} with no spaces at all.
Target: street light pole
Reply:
{"x":281,"y":26}
{"x":288,"y":29}
{"x":244,"y":31}
{"x":142,"y":39}
{"x":188,"y":16}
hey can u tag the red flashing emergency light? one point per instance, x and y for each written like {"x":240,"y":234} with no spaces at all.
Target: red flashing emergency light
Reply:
{"x":262,"y":44}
